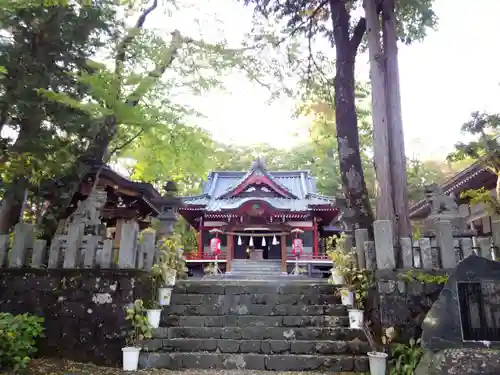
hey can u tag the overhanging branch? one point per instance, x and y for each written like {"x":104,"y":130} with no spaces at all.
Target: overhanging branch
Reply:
{"x":358,"y":33}
{"x":155,"y":74}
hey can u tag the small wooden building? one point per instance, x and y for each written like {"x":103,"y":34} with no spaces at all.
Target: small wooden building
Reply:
{"x":258,"y":214}
{"x":477,"y":217}
{"x":126,"y":200}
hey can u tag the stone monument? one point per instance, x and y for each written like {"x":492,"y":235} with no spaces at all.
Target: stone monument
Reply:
{"x":460,"y":333}
{"x":444,"y":208}
{"x":88,"y":211}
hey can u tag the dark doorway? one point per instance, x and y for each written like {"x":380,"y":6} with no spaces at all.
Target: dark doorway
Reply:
{"x":240,"y":251}
{"x":270,"y":251}
{"x":274,"y":251}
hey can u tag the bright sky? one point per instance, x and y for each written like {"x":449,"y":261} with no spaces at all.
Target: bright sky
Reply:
{"x":443,"y":79}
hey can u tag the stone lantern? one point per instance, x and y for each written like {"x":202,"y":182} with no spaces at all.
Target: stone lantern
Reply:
{"x":168,"y":204}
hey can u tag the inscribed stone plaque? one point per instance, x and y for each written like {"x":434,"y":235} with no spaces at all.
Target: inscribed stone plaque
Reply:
{"x":467,"y":308}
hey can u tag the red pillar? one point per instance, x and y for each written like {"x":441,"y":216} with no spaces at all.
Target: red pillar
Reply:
{"x":315,"y":239}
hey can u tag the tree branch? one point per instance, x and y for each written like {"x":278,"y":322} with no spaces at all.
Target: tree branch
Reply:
{"x":358,"y":33}
{"x":129,"y":38}
{"x":340,"y":21}
{"x":155,"y":74}
{"x":128,"y":142}
{"x":303,"y":23}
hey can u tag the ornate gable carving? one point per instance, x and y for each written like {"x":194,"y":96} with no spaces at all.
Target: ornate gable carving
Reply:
{"x":257,"y":191}
{"x":258,"y":181}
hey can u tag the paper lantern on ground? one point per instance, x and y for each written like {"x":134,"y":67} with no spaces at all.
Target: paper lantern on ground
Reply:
{"x":297,"y":247}
{"x":215,"y":245}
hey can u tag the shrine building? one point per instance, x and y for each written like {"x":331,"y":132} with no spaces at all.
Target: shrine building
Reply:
{"x":257,"y":215}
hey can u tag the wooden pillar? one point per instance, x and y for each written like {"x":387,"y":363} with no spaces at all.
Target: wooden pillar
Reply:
{"x":283,"y":253}
{"x":200,"y":240}
{"x":315,"y":240}
{"x":118,"y":233}
{"x":229,"y":252}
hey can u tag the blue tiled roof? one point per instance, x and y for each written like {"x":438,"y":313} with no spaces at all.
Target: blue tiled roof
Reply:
{"x":300,"y":184}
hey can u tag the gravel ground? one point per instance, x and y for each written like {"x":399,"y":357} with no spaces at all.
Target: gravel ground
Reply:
{"x":64,"y":367}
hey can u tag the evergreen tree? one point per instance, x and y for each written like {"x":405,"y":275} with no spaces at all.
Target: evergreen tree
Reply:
{"x":44,"y":48}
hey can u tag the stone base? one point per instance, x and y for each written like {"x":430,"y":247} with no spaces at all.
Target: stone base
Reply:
{"x":460,"y":362}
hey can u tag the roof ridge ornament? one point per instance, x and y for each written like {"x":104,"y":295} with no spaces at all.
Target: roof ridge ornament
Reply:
{"x":259,"y":163}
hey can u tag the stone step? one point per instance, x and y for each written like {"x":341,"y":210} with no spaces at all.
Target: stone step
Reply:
{"x":276,"y":271}
{"x":260,"y":333}
{"x":263,"y":261}
{"x":255,"y":277}
{"x":254,"y":309}
{"x":257,"y":270}
{"x":256,"y":346}
{"x":287,"y":362}
{"x":246,"y":277}
{"x":258,"y":287}
{"x":255,"y":321}
{"x":258,"y":299}
{"x":255,"y":266}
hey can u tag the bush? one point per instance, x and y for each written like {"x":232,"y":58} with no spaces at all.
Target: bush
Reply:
{"x":18,"y":334}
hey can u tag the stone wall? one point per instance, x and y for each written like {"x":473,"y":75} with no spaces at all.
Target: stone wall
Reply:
{"x":83,"y":309}
{"x":401,"y":303}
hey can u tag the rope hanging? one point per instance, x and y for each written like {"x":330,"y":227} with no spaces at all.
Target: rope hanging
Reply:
{"x":241,"y":234}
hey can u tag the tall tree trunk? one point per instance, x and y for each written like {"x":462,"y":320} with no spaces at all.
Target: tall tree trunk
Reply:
{"x":12,"y":202}
{"x":381,"y":148}
{"x":351,"y":169}
{"x":399,"y":177}
{"x":9,"y":212}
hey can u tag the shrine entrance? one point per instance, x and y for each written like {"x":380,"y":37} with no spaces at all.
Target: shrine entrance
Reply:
{"x":257,"y":244}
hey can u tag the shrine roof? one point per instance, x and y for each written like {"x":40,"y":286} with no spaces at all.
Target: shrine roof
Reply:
{"x":297,"y":189}
{"x":474,"y":176}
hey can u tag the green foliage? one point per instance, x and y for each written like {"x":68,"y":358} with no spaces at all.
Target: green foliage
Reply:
{"x":156,"y":278}
{"x":346,"y":265}
{"x":423,"y":277}
{"x":405,"y":357}
{"x":482,"y":195}
{"x":41,"y":139}
{"x":170,"y":257}
{"x":424,"y":173}
{"x":188,"y":236}
{"x":18,"y":334}
{"x":141,"y":329}
{"x":485,"y":149}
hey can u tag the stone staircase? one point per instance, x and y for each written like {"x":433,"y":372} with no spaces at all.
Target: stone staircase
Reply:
{"x":279,"y":326}
{"x":243,"y":267}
